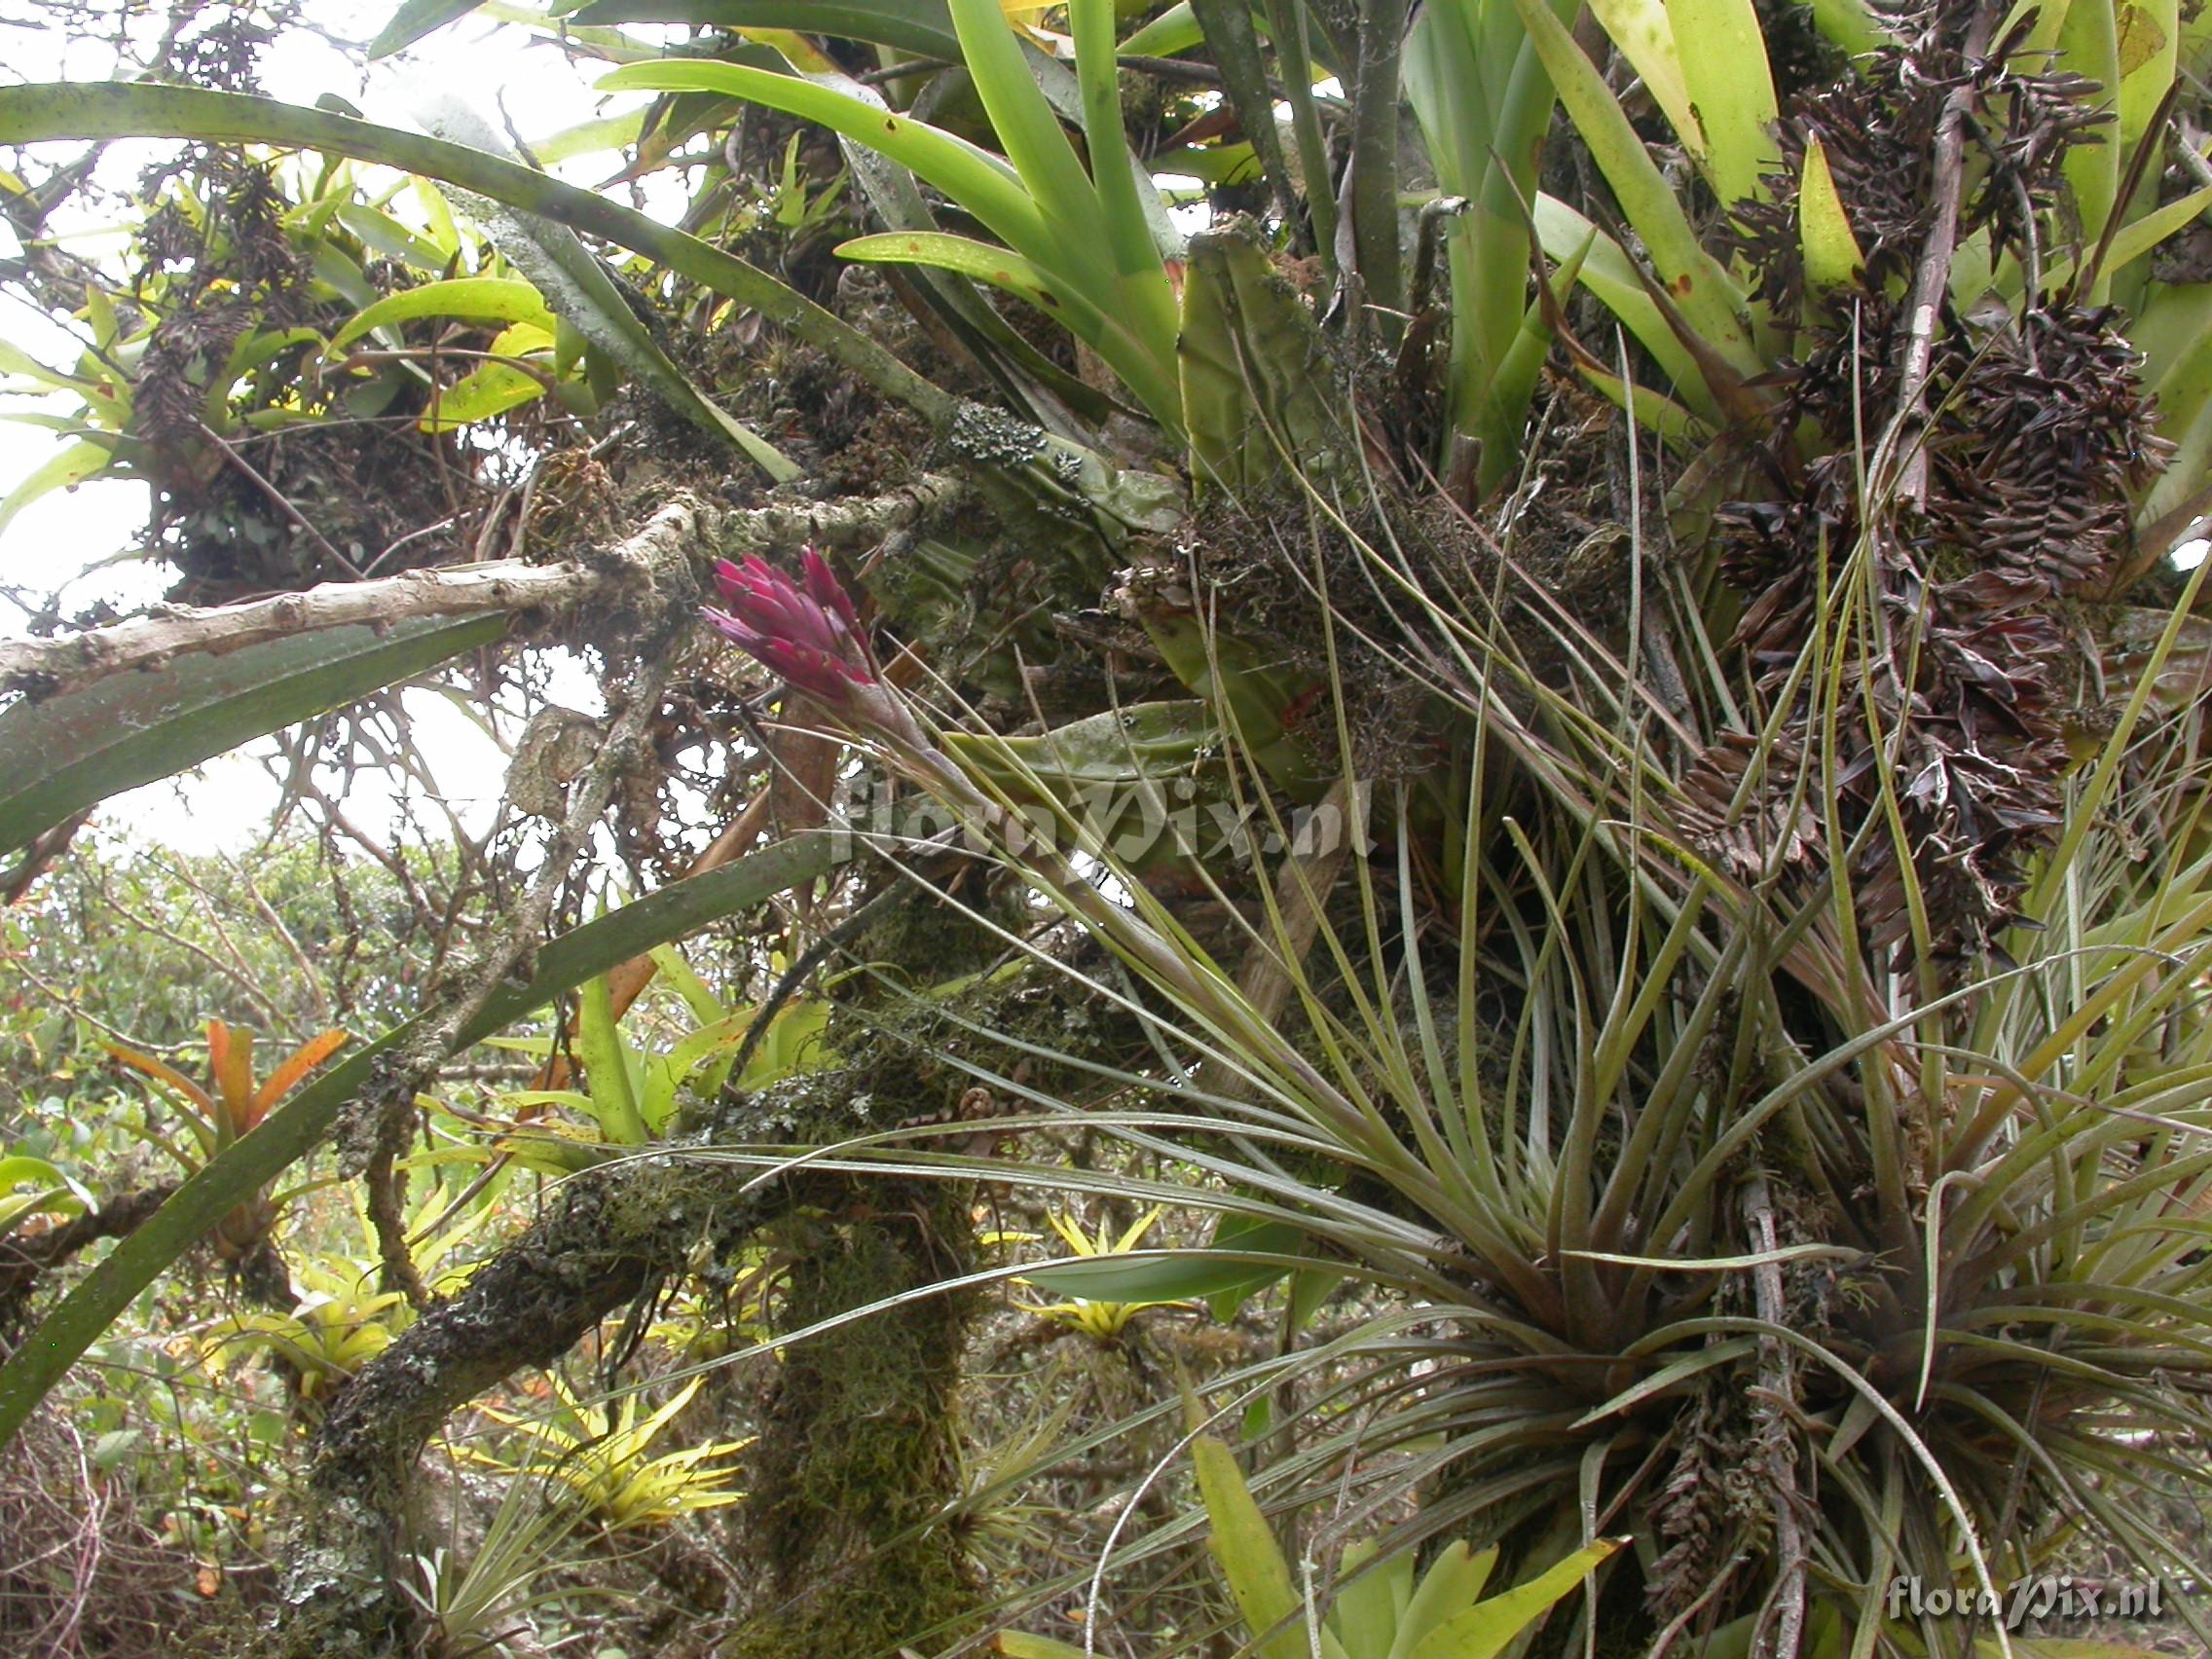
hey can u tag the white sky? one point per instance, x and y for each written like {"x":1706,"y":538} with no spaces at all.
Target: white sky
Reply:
{"x":485,"y":64}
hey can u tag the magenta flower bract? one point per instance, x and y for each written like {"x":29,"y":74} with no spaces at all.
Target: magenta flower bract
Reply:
{"x":811,"y":634}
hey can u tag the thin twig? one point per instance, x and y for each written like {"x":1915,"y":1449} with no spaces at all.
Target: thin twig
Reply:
{"x":1776,"y":1387}
{"x":392,"y":1102}
{"x":278,"y":500}
{"x":1931,"y":280}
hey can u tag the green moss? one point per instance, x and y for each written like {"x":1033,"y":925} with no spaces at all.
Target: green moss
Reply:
{"x":858,"y":1452}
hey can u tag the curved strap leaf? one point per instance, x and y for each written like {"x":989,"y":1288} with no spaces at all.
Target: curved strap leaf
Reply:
{"x":31,"y":113}
{"x":73,"y":751}
{"x":416,"y":18}
{"x":580,"y":289}
{"x":921,"y":27}
{"x":291,"y":1131}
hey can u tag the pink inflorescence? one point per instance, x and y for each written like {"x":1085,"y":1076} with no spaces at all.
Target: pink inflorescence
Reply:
{"x":811,"y":634}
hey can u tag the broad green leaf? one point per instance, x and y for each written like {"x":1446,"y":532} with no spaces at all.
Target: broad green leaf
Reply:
{"x":1113,"y":172}
{"x":64,"y":469}
{"x":21,"y":1169}
{"x":443,"y":228}
{"x":1251,"y":1561}
{"x":1055,"y":296}
{"x":1607,"y":274}
{"x":288,"y":1133}
{"x":1483,"y":1631}
{"x":1067,"y":241}
{"x":255,"y":349}
{"x":1235,"y":1231}
{"x":482,"y":392}
{"x":665,"y":1075}
{"x":100,"y":312}
{"x":1852,"y":24}
{"x":981,"y":182}
{"x":1706,"y":297}
{"x":1833,"y":258}
{"x":14,"y":360}
{"x":1370,"y":1600}
{"x":67,"y":752}
{"x":601,"y":1047}
{"x":479,"y":299}
{"x":1119,"y":749}
{"x":796,"y":1028}
{"x":2088,"y":44}
{"x":1823,"y":1636}
{"x":1173,"y":31}
{"x":1020,"y":367}
{"x":2174,"y":334}
{"x":1514,"y":385}
{"x":1731,"y":94}
{"x":1644,"y":32}
{"x":416,"y":19}
{"x":1018,"y":1645}
{"x":2132,"y":241}
{"x":1452,"y":1583}
{"x":1255,"y":374}
{"x":490,"y":389}
{"x":1171,"y":1276}
{"x":341,"y":273}
{"x":2168,"y":334}
{"x":51,"y":1191}
{"x":1254,"y":693}
{"x":589,"y":138}
{"x":1483,"y":102}
{"x":1028,"y":128}
{"x":698,"y":996}
{"x":981,"y":262}
{"x":2149,"y":43}
{"x":380,"y":230}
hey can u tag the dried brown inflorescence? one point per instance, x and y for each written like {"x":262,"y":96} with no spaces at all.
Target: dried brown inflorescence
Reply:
{"x":2034,"y":434}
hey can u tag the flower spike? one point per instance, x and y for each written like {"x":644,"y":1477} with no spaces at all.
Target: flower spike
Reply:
{"x":810,"y":635}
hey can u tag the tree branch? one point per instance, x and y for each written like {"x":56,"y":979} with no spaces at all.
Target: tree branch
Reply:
{"x":44,"y":667}
{"x":24,"y":1261}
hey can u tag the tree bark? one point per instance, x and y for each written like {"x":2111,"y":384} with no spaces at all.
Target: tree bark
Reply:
{"x":593,"y":1252}
{"x":43,"y":668}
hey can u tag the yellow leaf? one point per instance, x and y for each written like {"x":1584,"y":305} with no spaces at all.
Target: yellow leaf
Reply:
{"x":1833,"y":257}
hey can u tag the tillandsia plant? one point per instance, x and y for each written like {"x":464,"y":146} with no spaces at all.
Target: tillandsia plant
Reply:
{"x":1711,"y":1184}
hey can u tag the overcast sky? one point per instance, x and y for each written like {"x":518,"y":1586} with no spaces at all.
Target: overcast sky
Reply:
{"x":488,"y":65}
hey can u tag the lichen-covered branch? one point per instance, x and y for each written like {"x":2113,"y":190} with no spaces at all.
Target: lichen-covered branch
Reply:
{"x":44,"y":667}
{"x":25,"y":1259}
{"x":588,"y":1254}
